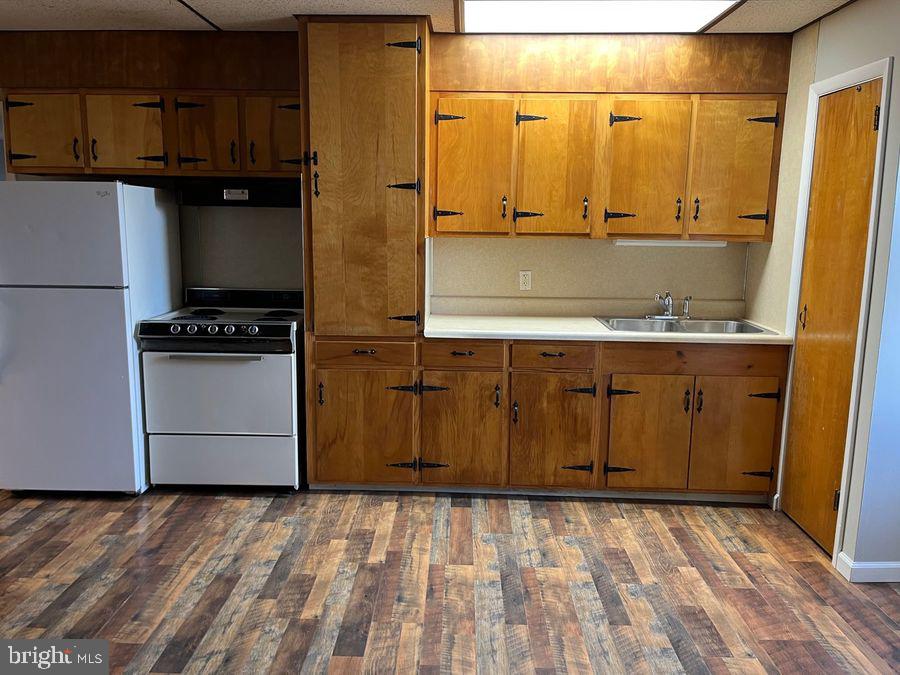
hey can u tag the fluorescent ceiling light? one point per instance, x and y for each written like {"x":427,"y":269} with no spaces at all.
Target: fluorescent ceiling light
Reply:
{"x":591,"y":16}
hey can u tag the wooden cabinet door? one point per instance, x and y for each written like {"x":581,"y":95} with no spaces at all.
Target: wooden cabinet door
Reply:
{"x":555,"y":177}
{"x":733,"y":433}
{"x":45,"y":130}
{"x":474,"y":183}
{"x":125,"y":131}
{"x":732,"y":166}
{"x":650,"y":431}
{"x":364,"y":426}
{"x":208,"y":133}
{"x":272,"y":134}
{"x":462,"y":427}
{"x":550,"y":433}
{"x":363,"y":134}
{"x":649,"y":141}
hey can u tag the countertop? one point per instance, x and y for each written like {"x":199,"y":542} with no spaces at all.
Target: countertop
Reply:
{"x":572,"y":328}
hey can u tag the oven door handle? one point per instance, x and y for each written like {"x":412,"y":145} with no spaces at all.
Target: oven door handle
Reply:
{"x":223,"y":356}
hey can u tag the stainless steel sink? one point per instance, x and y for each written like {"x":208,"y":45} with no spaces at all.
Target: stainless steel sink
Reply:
{"x":681,"y":326}
{"x":700,"y":326}
{"x":641,"y":325}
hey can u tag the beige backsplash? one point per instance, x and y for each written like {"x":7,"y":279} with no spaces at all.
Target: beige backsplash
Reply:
{"x":576,"y":277}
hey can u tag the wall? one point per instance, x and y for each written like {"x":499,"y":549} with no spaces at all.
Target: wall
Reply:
{"x":582,"y":277}
{"x":241,"y":247}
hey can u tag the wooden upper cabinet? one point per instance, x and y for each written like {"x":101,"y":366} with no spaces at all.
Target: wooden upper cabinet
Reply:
{"x":733,"y":433}
{"x":551,"y":432}
{"x":732,"y":166}
{"x":364,"y":426}
{"x":125,"y":131}
{"x":556,"y":160}
{"x":45,"y":130}
{"x":650,"y":431}
{"x":475,"y":146}
{"x":462,"y":427}
{"x":272,"y":134}
{"x":647,"y":169}
{"x":208,"y":133}
{"x":363,"y":135}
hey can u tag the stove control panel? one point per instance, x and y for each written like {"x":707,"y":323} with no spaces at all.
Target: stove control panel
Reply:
{"x":206,"y":331}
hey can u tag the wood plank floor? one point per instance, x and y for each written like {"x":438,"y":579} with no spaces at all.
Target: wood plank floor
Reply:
{"x":204,"y":582}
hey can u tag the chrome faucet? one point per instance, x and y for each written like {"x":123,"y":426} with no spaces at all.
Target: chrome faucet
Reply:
{"x":686,"y":307}
{"x":667,"y":302}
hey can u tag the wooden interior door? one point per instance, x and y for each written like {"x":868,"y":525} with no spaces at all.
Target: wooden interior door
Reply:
{"x":834,"y":263}
{"x":650,"y":431}
{"x":272,"y":134}
{"x":208,"y":133}
{"x":363,"y":426}
{"x":649,"y":142}
{"x":550,"y":435}
{"x":732,"y":167}
{"x":475,"y":145}
{"x":125,"y":131}
{"x":363,"y":214}
{"x":462,"y":427}
{"x":733,"y":433}
{"x":45,"y":130}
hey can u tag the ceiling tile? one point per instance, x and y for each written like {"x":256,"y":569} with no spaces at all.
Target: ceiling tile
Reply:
{"x":774,"y":16}
{"x":97,"y":15}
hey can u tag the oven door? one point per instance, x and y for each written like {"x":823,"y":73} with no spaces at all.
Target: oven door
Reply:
{"x":220,"y":393}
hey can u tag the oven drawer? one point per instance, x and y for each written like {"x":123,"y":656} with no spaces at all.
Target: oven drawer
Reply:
{"x":188,"y":393}
{"x":224,"y":460}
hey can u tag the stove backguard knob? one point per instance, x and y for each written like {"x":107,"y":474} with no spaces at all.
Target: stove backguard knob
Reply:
{"x":229,"y":330}
{"x":192,"y":329}
{"x":253,"y":330}
{"x":213,"y":330}
{"x":174,"y":329}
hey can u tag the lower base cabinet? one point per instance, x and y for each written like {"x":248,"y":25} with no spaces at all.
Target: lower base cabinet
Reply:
{"x":551,"y":430}
{"x":364,"y":426}
{"x":462,"y":428}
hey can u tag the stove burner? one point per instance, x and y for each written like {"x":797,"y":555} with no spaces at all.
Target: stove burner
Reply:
{"x":266,"y":317}
{"x":205,"y":312}
{"x":193,"y":316}
{"x":278,"y":313}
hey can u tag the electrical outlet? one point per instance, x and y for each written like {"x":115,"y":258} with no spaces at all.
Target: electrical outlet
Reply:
{"x":524,"y":280}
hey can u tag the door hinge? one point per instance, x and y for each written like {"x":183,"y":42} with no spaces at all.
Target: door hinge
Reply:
{"x":404,"y":465}
{"x":186,"y":159}
{"x":311,"y":159}
{"x":622,"y":118}
{"x":607,"y":468}
{"x":417,"y":186}
{"x":13,"y":156}
{"x":435,"y":212}
{"x":619,"y":392}
{"x":411,"y":388}
{"x":756,"y":216}
{"x":164,"y":158}
{"x":292,"y":160}
{"x":187,"y":105}
{"x":406,"y":317}
{"x":525,"y":214}
{"x":159,"y":105}
{"x":877,"y":121}
{"x":765,"y":120}
{"x":592,"y":390}
{"x":443,"y":117}
{"x":427,"y":387}
{"x":580,"y":467}
{"x":767,"y":394}
{"x":289,"y":106}
{"x":837,"y":500}
{"x":407,"y":44}
{"x":616,"y":214}
{"x":528,"y":118}
{"x":17,"y":104}
{"x":762,"y":474}
{"x":431,"y":465}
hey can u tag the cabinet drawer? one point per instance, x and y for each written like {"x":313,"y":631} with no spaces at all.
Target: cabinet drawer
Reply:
{"x":358,"y":353}
{"x":460,"y":353}
{"x":579,"y":357}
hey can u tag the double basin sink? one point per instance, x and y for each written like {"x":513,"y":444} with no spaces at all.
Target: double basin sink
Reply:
{"x":681,"y":326}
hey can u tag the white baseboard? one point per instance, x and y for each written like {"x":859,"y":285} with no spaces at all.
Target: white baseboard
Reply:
{"x":864,"y":572}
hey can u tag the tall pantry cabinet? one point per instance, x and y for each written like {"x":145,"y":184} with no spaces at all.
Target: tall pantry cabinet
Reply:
{"x":363,"y":179}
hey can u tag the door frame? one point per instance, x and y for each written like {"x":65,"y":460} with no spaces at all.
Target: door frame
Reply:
{"x":882,"y":68}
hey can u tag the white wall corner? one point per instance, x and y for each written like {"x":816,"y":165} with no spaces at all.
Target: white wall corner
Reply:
{"x":867,"y":572}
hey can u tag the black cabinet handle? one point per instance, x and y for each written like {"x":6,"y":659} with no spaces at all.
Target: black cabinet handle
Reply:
{"x":497,"y":391}
{"x":364,"y":351}
{"x":75,"y":149}
{"x":554,"y":355}
{"x":94,"y":149}
{"x":316,"y":184}
{"x":321,"y":394}
{"x":696,"y":208}
{"x":584,"y":213}
{"x":253,"y":152}
{"x":687,"y":400}
{"x":515,"y":412}
{"x":678,"y":211}
{"x":504,"y":202}
{"x":699,"y":401}
{"x":803,"y":314}
{"x":233,"y":151}
{"x":467,"y":353}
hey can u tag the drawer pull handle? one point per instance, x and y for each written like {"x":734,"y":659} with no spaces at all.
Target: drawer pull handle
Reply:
{"x":696,"y":209}
{"x":466,"y":353}
{"x":699,"y":401}
{"x":215,"y":357}
{"x":364,"y":351}
{"x":687,"y":400}
{"x":678,"y":212}
{"x":497,"y":391}
{"x":321,"y":394}
{"x":554,"y":355}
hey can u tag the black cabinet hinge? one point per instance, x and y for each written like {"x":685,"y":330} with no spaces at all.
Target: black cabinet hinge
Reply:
{"x":293,"y":160}
{"x":427,"y":387}
{"x":13,"y":156}
{"x":159,"y":105}
{"x":592,"y":390}
{"x":407,"y":44}
{"x":616,"y":214}
{"x":187,"y":159}
{"x":17,"y":104}
{"x":444,"y":117}
{"x":528,"y":118}
{"x":580,"y":467}
{"x":411,"y":388}
{"x":188,"y":105}
{"x":417,"y":186}
{"x":877,"y":121}
{"x":289,"y":106}
{"x":406,"y":317}
{"x":610,"y":392}
{"x":765,"y":120}
{"x":762,"y":474}
{"x":622,"y":118}
{"x":767,"y":394}
{"x":164,"y":158}
{"x":404,"y":465}
{"x":311,"y":159}
{"x":435,"y":212}
{"x":525,"y":214}
{"x":431,"y":465}
{"x":608,"y":469}
{"x":837,"y":500}
{"x":756,"y":216}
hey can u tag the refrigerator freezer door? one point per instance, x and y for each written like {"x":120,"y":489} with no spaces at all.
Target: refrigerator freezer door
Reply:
{"x":68,"y":419}
{"x":57,"y":233}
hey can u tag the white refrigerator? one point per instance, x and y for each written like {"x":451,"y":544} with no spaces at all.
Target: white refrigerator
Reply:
{"x":81,"y":263}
